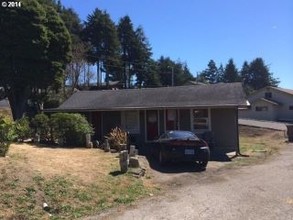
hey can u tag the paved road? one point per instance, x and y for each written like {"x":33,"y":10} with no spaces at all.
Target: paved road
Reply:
{"x":263,"y":124}
{"x":256,"y":192}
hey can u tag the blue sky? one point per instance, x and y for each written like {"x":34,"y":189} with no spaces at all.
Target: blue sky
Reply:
{"x":196,"y":31}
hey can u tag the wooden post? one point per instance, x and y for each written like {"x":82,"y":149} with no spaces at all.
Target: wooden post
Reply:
{"x":87,"y":140}
{"x":132,"y":151}
{"x":107,"y":146}
{"x":37,"y":138}
{"x":123,"y":161}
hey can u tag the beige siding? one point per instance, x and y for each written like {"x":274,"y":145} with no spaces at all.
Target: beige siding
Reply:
{"x":225,"y":128}
{"x":276,"y":112}
{"x":270,"y":114}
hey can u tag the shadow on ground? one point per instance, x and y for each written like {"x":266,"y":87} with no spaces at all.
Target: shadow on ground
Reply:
{"x":219,"y":156}
{"x":183,"y":167}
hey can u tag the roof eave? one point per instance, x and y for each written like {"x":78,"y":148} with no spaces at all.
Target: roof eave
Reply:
{"x":121,"y":108}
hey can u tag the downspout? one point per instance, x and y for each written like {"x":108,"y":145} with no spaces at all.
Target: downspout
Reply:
{"x":238,"y":153}
{"x":237,"y":131}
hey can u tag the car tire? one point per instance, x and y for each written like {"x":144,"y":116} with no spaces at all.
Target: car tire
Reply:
{"x":202,"y":164}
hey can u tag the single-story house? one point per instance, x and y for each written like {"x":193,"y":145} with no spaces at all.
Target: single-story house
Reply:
{"x":270,"y":103}
{"x":147,"y":113}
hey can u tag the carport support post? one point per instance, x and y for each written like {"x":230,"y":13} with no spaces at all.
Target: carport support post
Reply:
{"x":237,"y":130}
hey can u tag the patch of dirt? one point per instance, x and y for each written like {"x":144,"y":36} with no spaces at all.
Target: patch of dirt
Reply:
{"x":257,"y":132}
{"x":176,"y":174}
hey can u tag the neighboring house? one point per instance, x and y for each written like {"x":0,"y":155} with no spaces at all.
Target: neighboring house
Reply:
{"x":147,"y":113}
{"x":270,"y":103}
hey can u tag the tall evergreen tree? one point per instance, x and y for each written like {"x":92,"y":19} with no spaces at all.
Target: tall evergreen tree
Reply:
{"x":246,"y":77}
{"x":230,"y":72}
{"x":170,"y":70}
{"x":151,"y":77}
{"x":259,"y":75}
{"x":100,"y":32}
{"x":128,"y":42}
{"x":72,"y":23}
{"x":210,"y":74}
{"x":142,"y":66}
{"x":166,"y":69}
{"x":38,"y":58}
{"x":220,"y":74}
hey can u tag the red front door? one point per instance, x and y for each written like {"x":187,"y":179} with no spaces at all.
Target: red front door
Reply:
{"x":152,"y":124}
{"x":171,"y":119}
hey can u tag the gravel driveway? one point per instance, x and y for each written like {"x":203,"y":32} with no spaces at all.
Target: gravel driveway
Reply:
{"x":262,"y":191}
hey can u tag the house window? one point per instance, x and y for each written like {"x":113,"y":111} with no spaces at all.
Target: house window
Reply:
{"x":130,"y":121}
{"x":200,"y":119}
{"x":261,"y":108}
{"x":268,"y":95}
{"x":291,"y":107}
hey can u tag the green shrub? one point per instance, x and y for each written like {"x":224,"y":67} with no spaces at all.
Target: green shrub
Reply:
{"x":71,"y":128}
{"x":22,"y":128}
{"x":7,"y":134}
{"x":41,"y":125}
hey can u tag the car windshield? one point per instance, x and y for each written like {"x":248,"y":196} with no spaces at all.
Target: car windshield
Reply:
{"x":183,"y":135}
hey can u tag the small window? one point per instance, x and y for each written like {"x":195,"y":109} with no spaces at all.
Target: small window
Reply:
{"x":200,"y":119}
{"x":268,"y":95}
{"x":130,"y":121}
{"x":291,"y":107}
{"x":261,"y":108}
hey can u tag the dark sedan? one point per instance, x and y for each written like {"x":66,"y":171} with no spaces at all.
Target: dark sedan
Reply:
{"x":181,"y":146}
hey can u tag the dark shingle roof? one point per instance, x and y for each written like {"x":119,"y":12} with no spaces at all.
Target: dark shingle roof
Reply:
{"x":289,"y":91}
{"x":230,"y":94}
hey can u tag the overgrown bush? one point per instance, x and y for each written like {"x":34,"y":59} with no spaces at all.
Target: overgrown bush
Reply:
{"x":116,"y":138}
{"x":71,"y":128}
{"x":41,"y":126}
{"x":22,"y":128}
{"x":7,"y":134}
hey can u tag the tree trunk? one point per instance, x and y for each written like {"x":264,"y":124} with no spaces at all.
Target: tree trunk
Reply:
{"x":98,"y":74}
{"x":17,"y":98}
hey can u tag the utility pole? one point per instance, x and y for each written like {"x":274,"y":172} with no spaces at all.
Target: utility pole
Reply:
{"x":172,"y":76}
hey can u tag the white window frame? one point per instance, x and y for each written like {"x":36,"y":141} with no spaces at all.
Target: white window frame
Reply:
{"x":136,"y":128}
{"x":207,"y":118}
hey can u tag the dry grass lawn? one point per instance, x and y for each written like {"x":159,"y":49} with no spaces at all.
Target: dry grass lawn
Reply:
{"x":73,"y":182}
{"x":6,"y":112}
{"x":258,"y":144}
{"x":80,"y":182}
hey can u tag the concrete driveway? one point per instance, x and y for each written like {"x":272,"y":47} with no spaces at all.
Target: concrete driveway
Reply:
{"x":260,"y":192}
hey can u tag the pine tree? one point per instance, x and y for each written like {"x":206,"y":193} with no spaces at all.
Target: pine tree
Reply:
{"x":128,"y":42}
{"x":256,"y":75}
{"x":210,"y":74}
{"x":100,"y":32}
{"x":39,"y":57}
{"x":259,"y":75}
{"x":142,"y":67}
{"x":231,"y":72}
